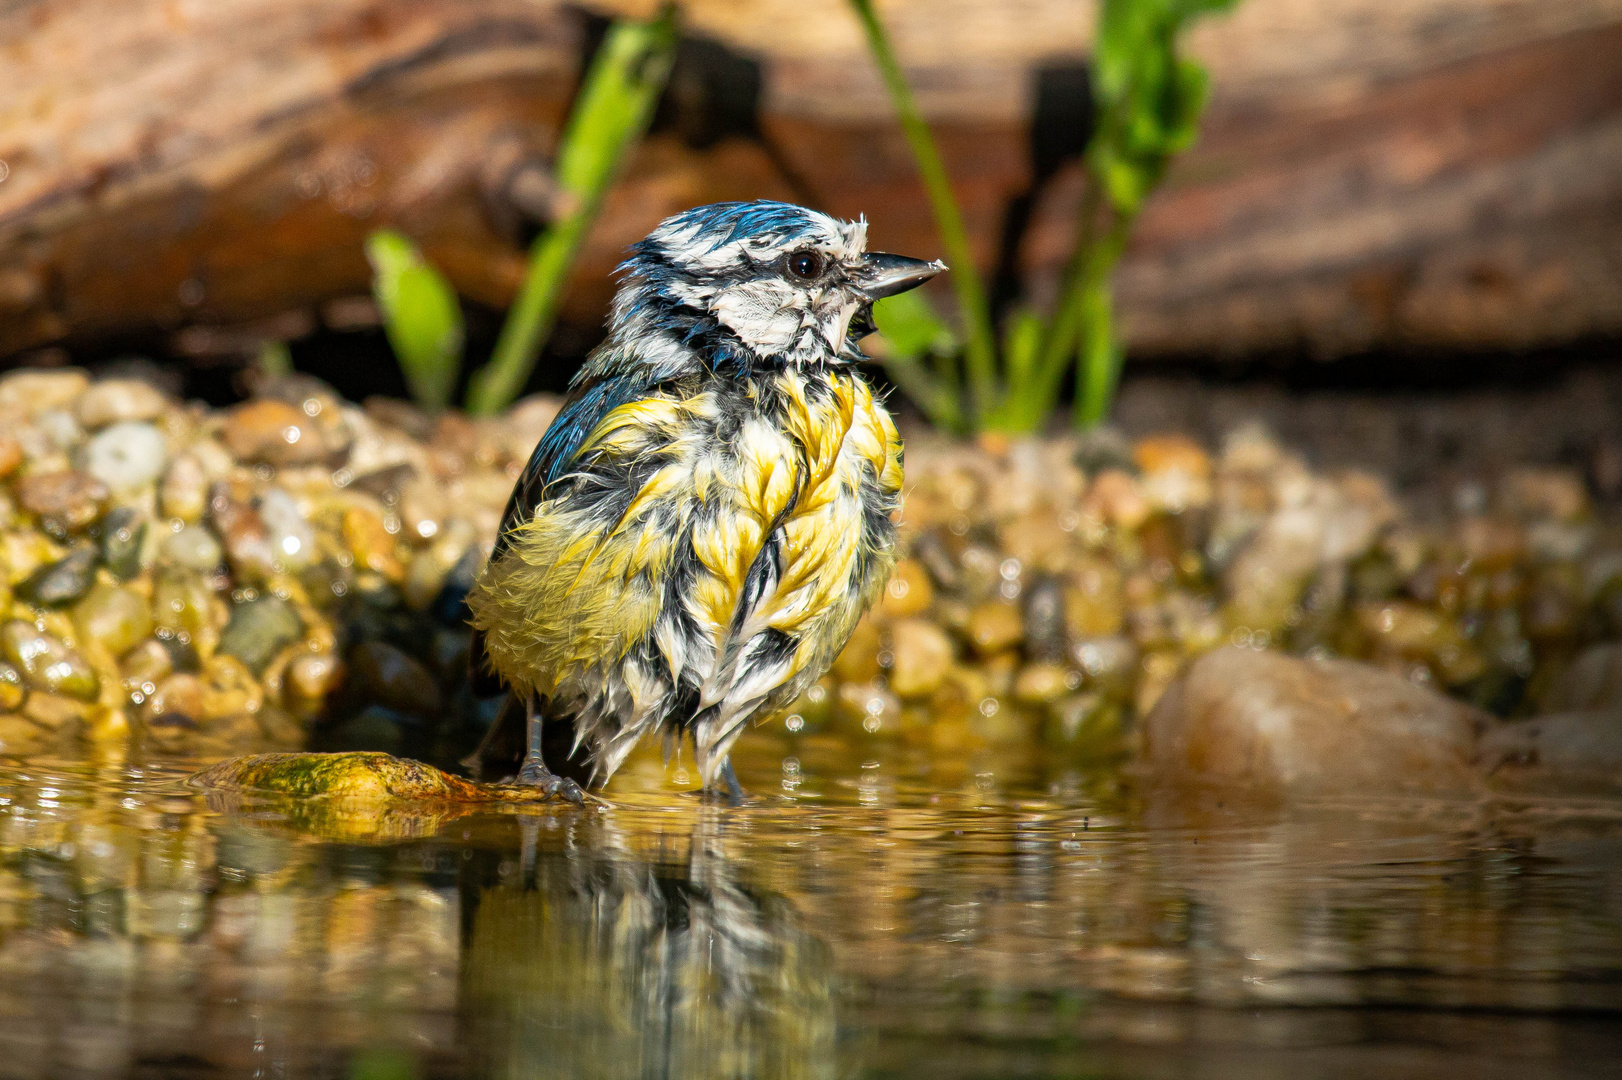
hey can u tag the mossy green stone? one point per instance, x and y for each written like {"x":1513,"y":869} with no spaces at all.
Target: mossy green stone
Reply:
{"x":259,"y":629}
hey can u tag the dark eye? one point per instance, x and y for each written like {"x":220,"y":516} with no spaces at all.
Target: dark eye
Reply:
{"x":804,"y":265}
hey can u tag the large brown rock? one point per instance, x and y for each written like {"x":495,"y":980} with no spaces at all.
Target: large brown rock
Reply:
{"x":1277,"y":726}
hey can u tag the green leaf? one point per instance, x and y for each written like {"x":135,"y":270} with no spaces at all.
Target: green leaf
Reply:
{"x":420,"y":316}
{"x":911,"y":327}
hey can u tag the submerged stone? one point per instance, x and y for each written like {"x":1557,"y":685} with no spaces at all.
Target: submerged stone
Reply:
{"x":362,"y":776}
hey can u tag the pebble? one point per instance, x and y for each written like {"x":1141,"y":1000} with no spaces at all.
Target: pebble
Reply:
{"x":127,"y":457}
{"x":117,"y":617}
{"x":148,"y":662}
{"x":229,"y":688}
{"x":183,"y":494}
{"x":908,"y":592}
{"x":193,"y":547}
{"x":55,"y":711}
{"x":112,"y":401}
{"x":995,"y":626}
{"x":922,"y":653}
{"x":390,"y":677}
{"x":1176,"y":472}
{"x":66,"y":502}
{"x":177,"y":695}
{"x":370,"y":542}
{"x":275,"y":433}
{"x":290,"y":536}
{"x":61,"y":583}
{"x":122,"y":538}
{"x":47,"y":663}
{"x":259,"y":629}
{"x":1281,"y":727}
{"x":12,"y":688}
{"x":246,"y":539}
{"x":182,"y":602}
{"x":312,"y":676}
{"x":32,"y":390}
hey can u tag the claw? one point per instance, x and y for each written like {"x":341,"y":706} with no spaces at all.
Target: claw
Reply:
{"x":535,"y":774}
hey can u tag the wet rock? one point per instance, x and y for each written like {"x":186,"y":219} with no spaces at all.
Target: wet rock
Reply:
{"x":922,"y":654}
{"x":259,"y":629}
{"x":193,"y":547}
{"x":312,"y":676}
{"x":112,"y":401}
{"x":146,"y":665}
{"x":122,"y":538}
{"x":1041,"y":683}
{"x":34,"y":391}
{"x":1571,"y":752}
{"x":1116,"y":498}
{"x":118,"y":618}
{"x":176,"y":695}
{"x":56,"y":711}
{"x":290,"y":536}
{"x":127,"y":457}
{"x":183,"y":494}
{"x":995,"y":626}
{"x":12,"y":688}
{"x":182,"y":603}
{"x":247,"y":540}
{"x":858,"y":661}
{"x":1176,"y":472}
{"x":66,"y":502}
{"x":229,"y":689}
{"x":390,"y":677}
{"x":371,"y":543}
{"x":908,"y":591}
{"x":20,"y":737}
{"x":275,"y":433}
{"x":1045,"y":631}
{"x":1108,"y":663}
{"x":1277,"y":726}
{"x":361,"y":777}
{"x":64,"y":582}
{"x":1594,"y":681}
{"x":47,"y":663}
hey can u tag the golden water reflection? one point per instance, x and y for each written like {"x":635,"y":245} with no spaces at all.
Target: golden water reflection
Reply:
{"x":857,"y":921}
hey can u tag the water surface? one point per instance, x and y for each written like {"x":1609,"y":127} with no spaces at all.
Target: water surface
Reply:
{"x":861,"y":917}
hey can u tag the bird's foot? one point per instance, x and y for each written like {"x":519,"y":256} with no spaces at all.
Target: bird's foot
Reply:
{"x":724,"y":787}
{"x":535,"y":774}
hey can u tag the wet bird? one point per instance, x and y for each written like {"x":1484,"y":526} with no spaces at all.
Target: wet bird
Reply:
{"x":698,"y":531}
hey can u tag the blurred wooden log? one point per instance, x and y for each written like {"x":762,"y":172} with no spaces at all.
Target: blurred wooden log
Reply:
{"x":1373,"y":172}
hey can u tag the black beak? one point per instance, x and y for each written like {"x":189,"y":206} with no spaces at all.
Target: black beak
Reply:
{"x":882,"y":275}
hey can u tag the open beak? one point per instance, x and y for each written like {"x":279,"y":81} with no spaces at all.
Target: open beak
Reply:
{"x":882,"y":274}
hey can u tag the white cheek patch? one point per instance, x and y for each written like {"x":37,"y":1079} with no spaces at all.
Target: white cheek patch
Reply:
{"x":761,"y":313}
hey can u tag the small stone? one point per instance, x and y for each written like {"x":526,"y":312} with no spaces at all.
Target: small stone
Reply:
{"x":59,"y":429}
{"x":370,"y":542}
{"x":177,"y":695}
{"x":122,"y":538}
{"x":259,"y":629}
{"x":312,"y":676}
{"x":1298,"y":728}
{"x":229,"y":688}
{"x":112,"y":401}
{"x":47,"y":663}
{"x":183,"y":494}
{"x":66,"y":502}
{"x":290,"y":536}
{"x":148,"y":662}
{"x":995,"y":626}
{"x":181,"y":602}
{"x":20,"y":737}
{"x":1116,"y":498}
{"x":1176,"y":472}
{"x":119,"y":618}
{"x":908,"y":591}
{"x":127,"y":457}
{"x":193,"y":547}
{"x":1045,"y":636}
{"x":55,"y":711}
{"x":1094,"y":604}
{"x":922,"y":655}
{"x":247,"y":540}
{"x":858,"y":661}
{"x":275,"y":433}
{"x":12,"y":688}
{"x":33,"y":391}
{"x":390,"y":677}
{"x":59,"y":584}
{"x":1040,"y":683}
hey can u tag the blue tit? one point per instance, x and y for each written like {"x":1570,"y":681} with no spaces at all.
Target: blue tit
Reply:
{"x":698,"y":531}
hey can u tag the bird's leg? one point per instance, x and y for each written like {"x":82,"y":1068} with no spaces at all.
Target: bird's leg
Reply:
{"x":533,"y":772}
{"x":725,"y":785}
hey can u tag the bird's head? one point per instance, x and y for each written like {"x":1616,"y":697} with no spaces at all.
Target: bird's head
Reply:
{"x":787,"y":284}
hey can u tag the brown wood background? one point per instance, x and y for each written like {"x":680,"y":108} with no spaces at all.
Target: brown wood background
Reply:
{"x":1372,"y":173}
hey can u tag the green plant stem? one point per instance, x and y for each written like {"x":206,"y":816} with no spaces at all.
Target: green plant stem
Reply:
{"x":614,"y":108}
{"x":980,"y":350}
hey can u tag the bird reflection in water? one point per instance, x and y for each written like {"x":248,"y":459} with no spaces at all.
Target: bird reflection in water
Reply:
{"x":590,"y":958}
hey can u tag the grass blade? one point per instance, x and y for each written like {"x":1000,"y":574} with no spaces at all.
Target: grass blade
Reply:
{"x":420,"y":316}
{"x":613,"y":111}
